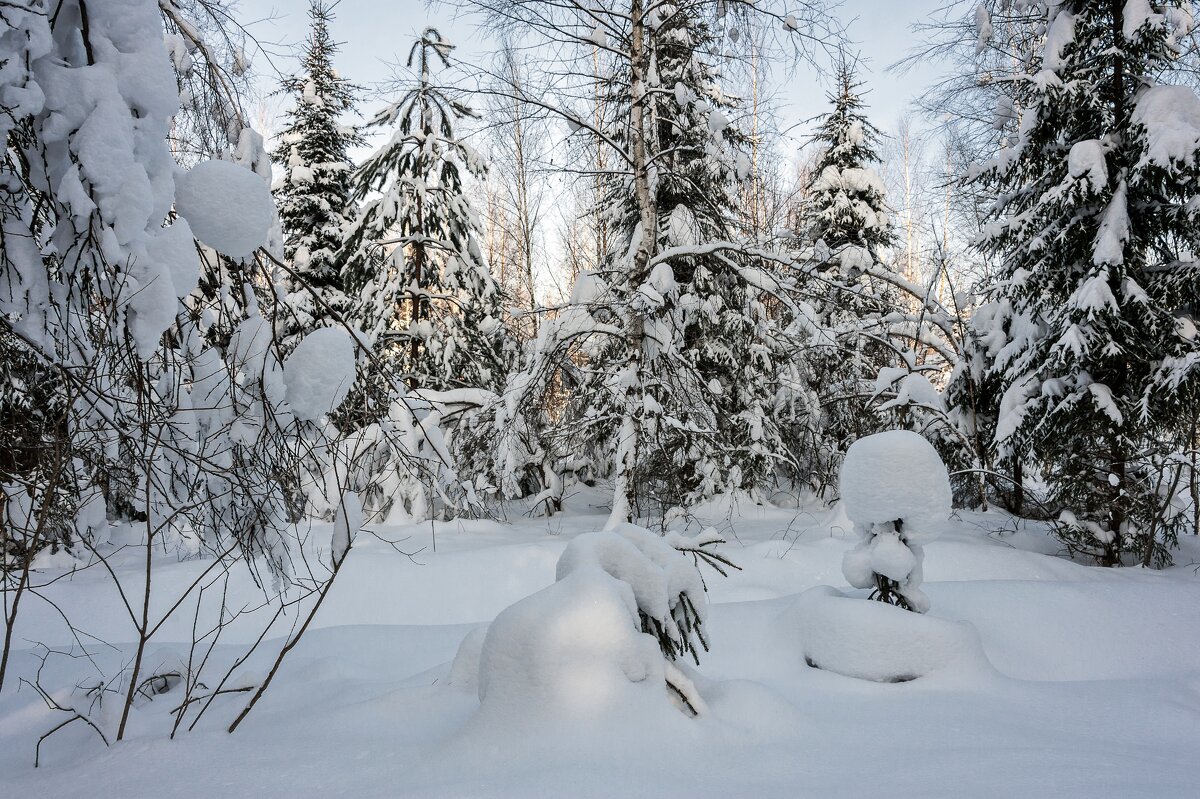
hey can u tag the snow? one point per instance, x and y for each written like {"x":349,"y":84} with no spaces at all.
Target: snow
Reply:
{"x":1136,"y":14}
{"x":894,"y":475}
{"x":1090,"y":689}
{"x":874,"y":641}
{"x":319,"y":373}
{"x":573,"y":648}
{"x":1114,"y":230}
{"x":1170,"y":116}
{"x":1086,"y":160}
{"x":1060,"y":33}
{"x":228,"y":207}
{"x":983,"y":28}
{"x":347,"y":522}
{"x":174,"y":248}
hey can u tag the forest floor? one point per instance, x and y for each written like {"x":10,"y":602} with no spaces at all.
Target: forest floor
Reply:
{"x":1089,"y":685}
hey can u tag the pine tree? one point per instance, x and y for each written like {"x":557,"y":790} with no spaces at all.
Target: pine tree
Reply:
{"x":314,"y":191}
{"x":425,"y":295}
{"x":1095,"y":227}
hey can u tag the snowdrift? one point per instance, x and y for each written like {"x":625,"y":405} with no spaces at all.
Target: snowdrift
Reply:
{"x":875,"y":641}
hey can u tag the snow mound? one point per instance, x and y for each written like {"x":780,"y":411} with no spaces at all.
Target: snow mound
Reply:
{"x":894,"y":475}
{"x":880,"y":642}
{"x":319,"y":373}
{"x":573,"y":649}
{"x":228,"y":207}
{"x":647,"y":563}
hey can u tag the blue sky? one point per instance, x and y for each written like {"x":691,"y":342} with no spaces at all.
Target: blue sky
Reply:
{"x":374,"y":34}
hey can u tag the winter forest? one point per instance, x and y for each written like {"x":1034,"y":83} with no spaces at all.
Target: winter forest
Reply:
{"x":573,"y":414}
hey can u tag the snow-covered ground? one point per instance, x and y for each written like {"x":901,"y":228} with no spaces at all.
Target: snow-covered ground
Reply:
{"x":1068,"y":680}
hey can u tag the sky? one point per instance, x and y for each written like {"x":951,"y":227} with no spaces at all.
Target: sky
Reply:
{"x":375,"y":34}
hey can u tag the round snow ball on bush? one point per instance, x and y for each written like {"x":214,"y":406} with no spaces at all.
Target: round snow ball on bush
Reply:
{"x":228,"y":207}
{"x":319,"y":373}
{"x":894,"y":475}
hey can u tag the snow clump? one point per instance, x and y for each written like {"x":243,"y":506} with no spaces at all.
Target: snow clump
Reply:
{"x":319,"y":373}
{"x":228,"y":207}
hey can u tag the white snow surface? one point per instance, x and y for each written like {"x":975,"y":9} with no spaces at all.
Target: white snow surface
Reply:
{"x":1093,"y":687}
{"x":1086,"y":159}
{"x":894,"y":475}
{"x":228,"y":207}
{"x":319,"y":373}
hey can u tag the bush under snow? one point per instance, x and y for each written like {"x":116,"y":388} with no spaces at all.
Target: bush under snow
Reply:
{"x":625,"y":604}
{"x":890,"y":483}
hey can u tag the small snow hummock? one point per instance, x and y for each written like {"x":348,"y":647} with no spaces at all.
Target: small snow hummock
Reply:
{"x":879,"y":642}
{"x":319,"y":373}
{"x":228,"y":207}
{"x":890,"y":483}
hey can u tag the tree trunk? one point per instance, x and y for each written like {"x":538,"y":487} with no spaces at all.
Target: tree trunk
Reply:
{"x":629,"y":443}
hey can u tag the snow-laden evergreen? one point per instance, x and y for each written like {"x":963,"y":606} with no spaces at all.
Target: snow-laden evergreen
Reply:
{"x":313,"y":190}
{"x":1095,"y":228}
{"x":852,"y":291}
{"x":423,"y":293}
{"x":675,"y":399}
{"x":426,"y":300}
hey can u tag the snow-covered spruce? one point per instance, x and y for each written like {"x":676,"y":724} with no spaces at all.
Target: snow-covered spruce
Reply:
{"x":314,"y":189}
{"x":1095,"y":232}
{"x":425,"y":296}
{"x":678,"y":402}
{"x":626,"y":604}
{"x":846,"y":218}
{"x":890,"y":483}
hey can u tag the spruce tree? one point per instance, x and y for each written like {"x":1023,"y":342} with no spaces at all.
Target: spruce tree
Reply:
{"x":846,"y":205}
{"x":847,"y":218}
{"x":314,"y":191}
{"x":1095,"y":227}
{"x":698,"y":348}
{"x":424,"y":294}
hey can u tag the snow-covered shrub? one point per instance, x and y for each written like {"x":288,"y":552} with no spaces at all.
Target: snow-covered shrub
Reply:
{"x":625,"y":605}
{"x":890,"y":483}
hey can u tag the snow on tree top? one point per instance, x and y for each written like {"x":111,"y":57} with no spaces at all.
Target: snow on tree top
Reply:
{"x":894,"y":475}
{"x":228,"y":207}
{"x":1170,"y":116}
